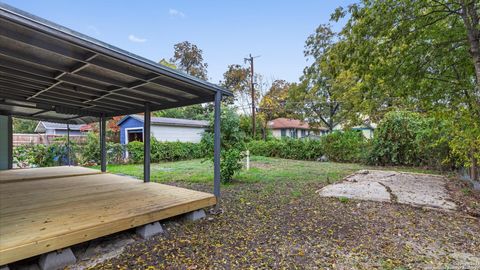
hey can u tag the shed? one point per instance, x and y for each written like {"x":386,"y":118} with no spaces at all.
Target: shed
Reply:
{"x":162,"y":128}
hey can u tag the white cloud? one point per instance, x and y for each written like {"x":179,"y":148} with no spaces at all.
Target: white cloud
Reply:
{"x":136,"y":39}
{"x":174,"y":12}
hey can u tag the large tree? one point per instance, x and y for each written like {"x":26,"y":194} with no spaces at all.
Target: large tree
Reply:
{"x":237,"y":79}
{"x":418,"y":55}
{"x":189,"y":58}
{"x":313,"y":99}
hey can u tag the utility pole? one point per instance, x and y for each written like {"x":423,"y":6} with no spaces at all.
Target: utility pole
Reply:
{"x":252,"y":88}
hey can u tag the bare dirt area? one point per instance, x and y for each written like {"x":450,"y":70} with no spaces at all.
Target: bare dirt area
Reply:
{"x":288,"y":226}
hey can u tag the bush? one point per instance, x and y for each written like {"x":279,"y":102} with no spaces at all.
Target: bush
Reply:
{"x":39,"y":155}
{"x":287,"y":148}
{"x":338,"y":146}
{"x":90,"y":152}
{"x":232,"y":143}
{"x":348,"y":146}
{"x":165,"y":151}
{"x":410,"y":139}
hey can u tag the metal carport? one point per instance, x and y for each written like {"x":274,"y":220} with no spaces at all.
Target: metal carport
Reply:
{"x":49,"y":72}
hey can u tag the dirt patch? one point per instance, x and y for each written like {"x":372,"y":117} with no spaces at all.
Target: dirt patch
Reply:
{"x":415,"y":189}
{"x":263,"y":228}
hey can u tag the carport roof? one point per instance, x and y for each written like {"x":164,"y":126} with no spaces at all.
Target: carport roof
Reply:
{"x":53,"y":73}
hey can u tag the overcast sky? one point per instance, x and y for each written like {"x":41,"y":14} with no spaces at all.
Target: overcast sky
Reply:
{"x":226,"y":31}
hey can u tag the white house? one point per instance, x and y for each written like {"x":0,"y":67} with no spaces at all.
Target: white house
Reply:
{"x":163,"y":129}
{"x":293,"y":128}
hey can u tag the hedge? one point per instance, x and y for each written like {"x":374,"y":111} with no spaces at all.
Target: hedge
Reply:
{"x":165,"y":151}
{"x":337,"y":146}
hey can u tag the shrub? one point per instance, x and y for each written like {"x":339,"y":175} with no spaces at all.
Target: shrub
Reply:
{"x":90,"y":152}
{"x":165,"y":151}
{"x":287,"y":148}
{"x":348,"y":146}
{"x":40,"y":155}
{"x":232,"y":143}
{"x":230,"y":163}
{"x":407,"y":138}
{"x":338,"y":146}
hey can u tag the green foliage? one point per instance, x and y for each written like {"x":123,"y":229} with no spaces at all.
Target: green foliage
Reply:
{"x":338,"y":146}
{"x":24,"y":125}
{"x":39,"y":155}
{"x":407,"y":138}
{"x":230,"y":163}
{"x":232,"y":143}
{"x":195,"y":112}
{"x":90,"y":151}
{"x":188,"y":57}
{"x":165,"y":151}
{"x":348,"y":146}
{"x":421,"y":56}
{"x":287,"y":148}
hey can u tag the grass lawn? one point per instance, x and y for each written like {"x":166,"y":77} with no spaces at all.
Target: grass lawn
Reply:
{"x":274,"y":219}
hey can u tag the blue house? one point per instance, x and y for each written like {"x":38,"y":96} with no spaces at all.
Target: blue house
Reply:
{"x":162,"y":128}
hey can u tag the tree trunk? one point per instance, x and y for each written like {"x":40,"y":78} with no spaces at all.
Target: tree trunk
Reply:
{"x":471,"y":20}
{"x":474,"y":168}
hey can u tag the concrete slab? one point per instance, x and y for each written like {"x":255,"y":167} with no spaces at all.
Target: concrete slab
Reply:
{"x":149,"y":230}
{"x":360,"y":190}
{"x":57,"y":259}
{"x":408,"y":188}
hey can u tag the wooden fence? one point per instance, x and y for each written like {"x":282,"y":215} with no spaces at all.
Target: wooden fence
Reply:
{"x":20,"y":139}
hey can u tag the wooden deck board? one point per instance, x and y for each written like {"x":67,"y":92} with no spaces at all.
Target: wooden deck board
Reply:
{"x":48,"y":214}
{"x":18,"y":175}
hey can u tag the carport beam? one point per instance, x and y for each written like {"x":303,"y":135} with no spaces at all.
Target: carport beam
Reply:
{"x":103,"y":137}
{"x":9,"y":142}
{"x":146,"y":144}
{"x":216,"y":147}
{"x":68,"y":144}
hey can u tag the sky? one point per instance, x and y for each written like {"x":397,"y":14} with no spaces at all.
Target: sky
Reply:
{"x":226,"y":31}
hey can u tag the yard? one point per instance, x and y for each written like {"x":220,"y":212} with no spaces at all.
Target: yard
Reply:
{"x":274,"y":219}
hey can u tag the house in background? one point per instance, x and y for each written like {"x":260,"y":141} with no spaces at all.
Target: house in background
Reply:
{"x":163,"y":129}
{"x":366,"y":129}
{"x":293,"y":128}
{"x":50,"y":128}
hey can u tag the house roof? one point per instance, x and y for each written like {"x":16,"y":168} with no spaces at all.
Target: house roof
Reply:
{"x":164,"y":121}
{"x":287,"y":123}
{"x":49,"y":72}
{"x":42,"y":126}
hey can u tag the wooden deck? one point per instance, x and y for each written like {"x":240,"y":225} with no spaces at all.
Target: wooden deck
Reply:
{"x":17,"y":175}
{"x":56,"y":212}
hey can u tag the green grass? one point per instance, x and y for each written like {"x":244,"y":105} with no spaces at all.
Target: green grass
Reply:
{"x":262,"y":169}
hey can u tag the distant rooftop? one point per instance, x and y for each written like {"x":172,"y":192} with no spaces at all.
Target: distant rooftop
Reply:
{"x":288,"y":123}
{"x":168,"y":121}
{"x":42,"y":126}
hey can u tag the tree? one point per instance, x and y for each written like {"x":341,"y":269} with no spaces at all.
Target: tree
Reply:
{"x":237,"y":80}
{"x":24,"y":125}
{"x":188,"y":58}
{"x":313,"y":99}
{"x":416,"y":55}
{"x":273,"y":103}
{"x":195,"y":112}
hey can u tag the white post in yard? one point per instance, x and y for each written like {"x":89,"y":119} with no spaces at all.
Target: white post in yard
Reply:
{"x":248,"y":160}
